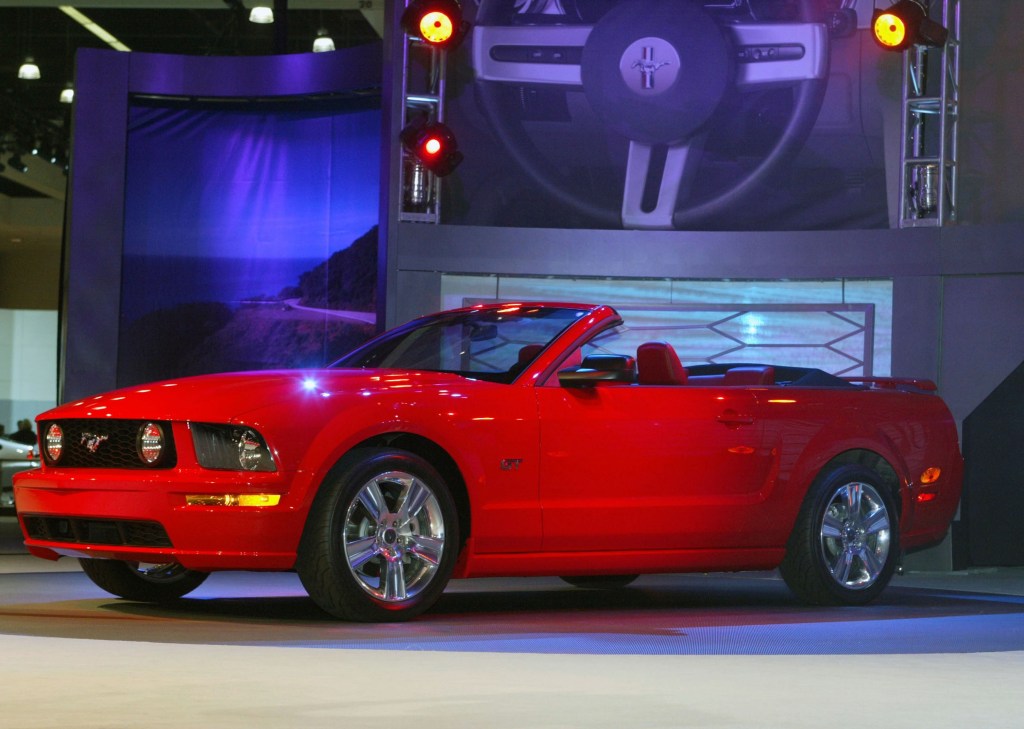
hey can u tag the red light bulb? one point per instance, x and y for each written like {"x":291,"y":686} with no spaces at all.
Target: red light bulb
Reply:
{"x":432,"y":146}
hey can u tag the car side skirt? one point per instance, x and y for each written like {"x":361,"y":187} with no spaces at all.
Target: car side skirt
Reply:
{"x":614,"y":563}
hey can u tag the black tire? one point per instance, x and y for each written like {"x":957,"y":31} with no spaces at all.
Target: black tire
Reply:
{"x":845,"y":544}
{"x":142,"y":582}
{"x":364,"y":556}
{"x":600,"y":582}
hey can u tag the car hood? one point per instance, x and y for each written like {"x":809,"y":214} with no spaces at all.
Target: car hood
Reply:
{"x":224,"y":397}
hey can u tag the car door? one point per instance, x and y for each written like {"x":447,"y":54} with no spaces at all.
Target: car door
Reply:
{"x":647,"y":467}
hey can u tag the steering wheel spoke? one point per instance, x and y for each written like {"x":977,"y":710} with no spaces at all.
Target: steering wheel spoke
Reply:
{"x":535,"y":55}
{"x":663,"y":185}
{"x":779,"y":53}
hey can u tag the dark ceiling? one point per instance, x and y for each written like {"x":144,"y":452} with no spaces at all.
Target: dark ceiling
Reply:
{"x":51,"y":38}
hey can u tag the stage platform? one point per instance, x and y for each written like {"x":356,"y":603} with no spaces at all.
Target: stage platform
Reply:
{"x":721,"y":650}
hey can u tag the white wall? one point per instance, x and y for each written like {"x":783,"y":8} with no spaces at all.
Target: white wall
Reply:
{"x":28,"y":364}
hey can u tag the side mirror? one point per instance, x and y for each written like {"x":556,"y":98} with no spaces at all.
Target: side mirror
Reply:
{"x":600,"y":368}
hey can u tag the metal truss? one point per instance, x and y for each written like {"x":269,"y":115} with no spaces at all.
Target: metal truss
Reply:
{"x":931,"y":108}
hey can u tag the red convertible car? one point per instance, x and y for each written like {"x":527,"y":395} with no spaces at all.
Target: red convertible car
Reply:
{"x":511,"y":439}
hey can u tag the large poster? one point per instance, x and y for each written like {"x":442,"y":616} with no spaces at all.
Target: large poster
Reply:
{"x":250,"y":236}
{"x":670,"y":114}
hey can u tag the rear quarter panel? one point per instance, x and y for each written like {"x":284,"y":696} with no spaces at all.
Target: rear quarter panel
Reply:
{"x":910,"y":431}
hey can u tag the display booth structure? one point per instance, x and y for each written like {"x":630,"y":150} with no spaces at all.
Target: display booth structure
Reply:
{"x":223,"y":214}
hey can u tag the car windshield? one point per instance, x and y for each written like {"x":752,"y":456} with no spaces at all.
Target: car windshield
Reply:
{"x":493,"y":343}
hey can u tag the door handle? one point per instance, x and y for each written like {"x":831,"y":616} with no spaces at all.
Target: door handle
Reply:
{"x":733,"y":419}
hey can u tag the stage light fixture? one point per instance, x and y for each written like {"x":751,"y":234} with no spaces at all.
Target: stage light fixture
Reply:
{"x":323,"y":42}
{"x":261,"y":15}
{"x":904,"y":24}
{"x":29,"y":70}
{"x":438,"y":22}
{"x":433,"y":144}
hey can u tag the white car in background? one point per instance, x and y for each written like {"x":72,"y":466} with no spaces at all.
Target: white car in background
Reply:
{"x":14,"y":457}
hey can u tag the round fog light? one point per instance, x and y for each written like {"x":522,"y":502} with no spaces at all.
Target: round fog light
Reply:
{"x":54,"y":442}
{"x":150,"y":443}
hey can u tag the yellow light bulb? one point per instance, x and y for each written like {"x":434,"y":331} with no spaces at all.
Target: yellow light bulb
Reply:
{"x":890,"y":30}
{"x":436,"y":27}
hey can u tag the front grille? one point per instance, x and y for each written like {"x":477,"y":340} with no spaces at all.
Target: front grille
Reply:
{"x":110,"y":532}
{"x":114,"y":444}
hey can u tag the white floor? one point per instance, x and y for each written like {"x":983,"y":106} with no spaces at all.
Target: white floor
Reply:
{"x":50,"y":683}
{"x":187,"y":668}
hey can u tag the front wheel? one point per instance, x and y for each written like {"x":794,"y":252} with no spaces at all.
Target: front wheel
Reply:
{"x":381,"y":539}
{"x":142,"y":581}
{"x":845,"y":544}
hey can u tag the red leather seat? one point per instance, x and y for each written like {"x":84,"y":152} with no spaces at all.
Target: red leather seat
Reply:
{"x":658,"y":364}
{"x":764,"y":375}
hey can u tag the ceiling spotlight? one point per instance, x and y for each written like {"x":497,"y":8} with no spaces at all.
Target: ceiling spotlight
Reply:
{"x":67,"y":95}
{"x":323,"y":42}
{"x":28,"y":70}
{"x":904,"y":24}
{"x":261,"y":14}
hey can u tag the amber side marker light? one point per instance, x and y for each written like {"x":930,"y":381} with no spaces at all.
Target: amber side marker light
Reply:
{"x":929,"y":476}
{"x":233,"y":499}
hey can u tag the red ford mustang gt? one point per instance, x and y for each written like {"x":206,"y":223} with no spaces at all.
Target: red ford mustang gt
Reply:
{"x":511,"y":439}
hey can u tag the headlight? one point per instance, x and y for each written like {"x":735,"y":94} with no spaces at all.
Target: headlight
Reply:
{"x":231,"y":447}
{"x":54,"y":442}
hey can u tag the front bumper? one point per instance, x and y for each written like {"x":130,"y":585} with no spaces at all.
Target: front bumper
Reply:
{"x":140,"y":515}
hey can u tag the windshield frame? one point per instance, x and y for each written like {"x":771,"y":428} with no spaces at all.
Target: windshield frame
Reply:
{"x":492,"y":342}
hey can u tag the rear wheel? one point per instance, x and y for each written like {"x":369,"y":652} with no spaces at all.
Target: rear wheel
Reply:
{"x":381,"y":539}
{"x":143,"y":581}
{"x":845,"y":544}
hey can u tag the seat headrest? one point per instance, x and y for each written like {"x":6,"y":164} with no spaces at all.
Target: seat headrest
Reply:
{"x":763,"y":375}
{"x":658,"y":364}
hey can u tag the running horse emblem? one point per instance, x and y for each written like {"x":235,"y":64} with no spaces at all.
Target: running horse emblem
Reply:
{"x":92,"y":442}
{"x":647,"y":66}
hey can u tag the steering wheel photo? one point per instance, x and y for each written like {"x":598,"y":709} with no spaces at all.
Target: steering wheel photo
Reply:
{"x":657,"y":73}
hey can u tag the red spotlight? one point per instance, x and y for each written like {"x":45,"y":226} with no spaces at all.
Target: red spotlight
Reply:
{"x":438,"y":22}
{"x":433,"y":144}
{"x":904,"y":24}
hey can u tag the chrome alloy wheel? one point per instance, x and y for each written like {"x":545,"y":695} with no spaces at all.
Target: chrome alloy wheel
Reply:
{"x":394,"y":536}
{"x":855,"y":535}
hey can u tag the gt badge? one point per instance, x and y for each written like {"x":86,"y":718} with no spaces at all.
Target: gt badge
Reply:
{"x":511,"y":464}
